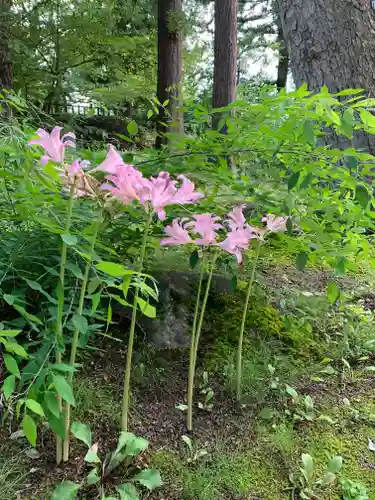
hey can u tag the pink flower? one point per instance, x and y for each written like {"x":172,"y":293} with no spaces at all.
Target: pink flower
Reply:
{"x":127,"y":184}
{"x":185,"y":194}
{"x":236,"y":218}
{"x":275,"y":224}
{"x":237,"y":241}
{"x":177,"y":233}
{"x":206,"y":225}
{"x":53,"y":144}
{"x":111,"y":163}
{"x":159,"y":192}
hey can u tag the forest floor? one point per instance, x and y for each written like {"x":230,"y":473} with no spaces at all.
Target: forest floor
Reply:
{"x":246,"y":452}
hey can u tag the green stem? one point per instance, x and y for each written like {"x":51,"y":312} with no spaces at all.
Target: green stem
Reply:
{"x":60,"y":308}
{"x":193,"y":358}
{"x":73,"y":351}
{"x":243,"y":323}
{"x":129,"y":354}
{"x":192,"y":352}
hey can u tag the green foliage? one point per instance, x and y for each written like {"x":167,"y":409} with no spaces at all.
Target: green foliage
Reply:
{"x":353,"y":490}
{"x":128,"y":447}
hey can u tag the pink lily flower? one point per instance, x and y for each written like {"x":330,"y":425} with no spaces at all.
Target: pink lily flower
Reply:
{"x":127,"y":184}
{"x":53,"y":144}
{"x":185,"y":194}
{"x":177,"y":233}
{"x":159,"y":192}
{"x":237,"y":241}
{"x":275,"y":224}
{"x":112,"y":161}
{"x":206,"y":225}
{"x":236,"y":218}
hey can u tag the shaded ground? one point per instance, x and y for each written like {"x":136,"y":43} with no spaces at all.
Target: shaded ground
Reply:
{"x":250,"y":451}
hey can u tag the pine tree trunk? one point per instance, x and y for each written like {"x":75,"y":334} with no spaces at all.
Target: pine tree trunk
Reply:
{"x":6,"y":77}
{"x":170,"y":17}
{"x":225,"y":55}
{"x":332,"y":43}
{"x":283,"y":62}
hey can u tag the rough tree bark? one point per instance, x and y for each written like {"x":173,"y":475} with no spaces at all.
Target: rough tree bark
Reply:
{"x":170,"y":19}
{"x":225,"y":55}
{"x":332,"y":43}
{"x":6,"y":76}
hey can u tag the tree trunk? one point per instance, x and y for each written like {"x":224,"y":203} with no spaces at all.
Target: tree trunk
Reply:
{"x":283,"y":62}
{"x":170,"y":18}
{"x":225,"y":56}
{"x":6,"y":76}
{"x":332,"y":43}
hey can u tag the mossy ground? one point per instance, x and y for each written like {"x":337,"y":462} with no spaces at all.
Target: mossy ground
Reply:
{"x":249,"y":451}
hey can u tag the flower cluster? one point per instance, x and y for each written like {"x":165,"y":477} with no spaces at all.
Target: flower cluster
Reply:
{"x":206,"y":226}
{"x":123,"y":182}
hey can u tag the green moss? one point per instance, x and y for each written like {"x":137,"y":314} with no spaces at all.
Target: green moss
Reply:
{"x":224,"y":475}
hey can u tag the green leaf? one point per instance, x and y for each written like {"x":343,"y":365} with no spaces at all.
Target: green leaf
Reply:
{"x":82,"y":432}
{"x":34,"y":285}
{"x":132,"y":128}
{"x":333,"y":292}
{"x":362,"y":196}
{"x":50,"y":400}
{"x":301,"y":260}
{"x":335,"y":464}
{"x":11,"y":365}
{"x":16,"y":349}
{"x":63,"y":367}
{"x":69,"y":239}
{"x":80,"y":323}
{"x":29,"y":428}
{"x":120,"y":300}
{"x":293,"y":180}
{"x":9,"y":333}
{"x":67,"y":490}
{"x":113,"y":269}
{"x":93,"y":477}
{"x":149,"y":113}
{"x":57,"y":424}
{"x":193,"y":259}
{"x":127,"y":491}
{"x":34,"y":406}
{"x":92,"y":455}
{"x":309,"y":133}
{"x":28,"y":316}
{"x":146,"y":308}
{"x":291,"y":391}
{"x":9,"y":299}
{"x":63,"y":389}
{"x":126,"y":280}
{"x":95,"y":300}
{"x":306,"y":181}
{"x":75,"y":270}
{"x":308,"y":466}
{"x":149,"y":478}
{"x":93,"y":285}
{"x":136,"y":446}
{"x":8,"y":386}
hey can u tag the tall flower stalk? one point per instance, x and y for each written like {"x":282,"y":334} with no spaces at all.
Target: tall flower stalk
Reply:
{"x":60,"y":306}
{"x":73,"y":352}
{"x":243,"y":323}
{"x":195,"y":336}
{"x":129,"y":354}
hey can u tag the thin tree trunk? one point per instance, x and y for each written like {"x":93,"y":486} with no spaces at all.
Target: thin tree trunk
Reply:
{"x":170,"y":17}
{"x":225,"y":56}
{"x":283,"y":62}
{"x":6,"y":76}
{"x":332,"y":43}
